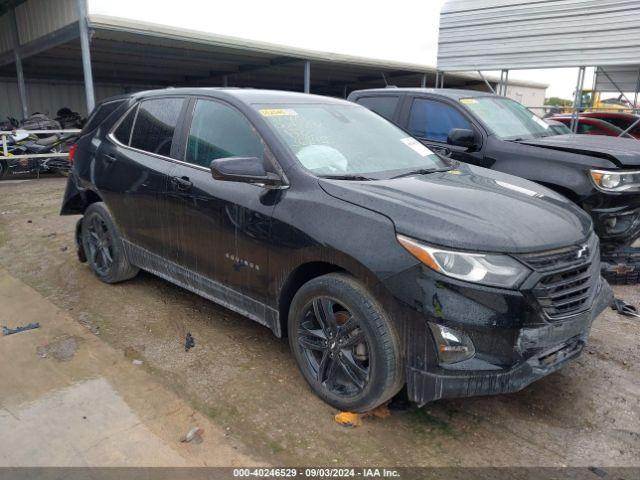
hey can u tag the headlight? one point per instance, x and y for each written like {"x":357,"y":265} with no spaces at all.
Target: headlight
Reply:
{"x":484,"y":268}
{"x":616,"y":181}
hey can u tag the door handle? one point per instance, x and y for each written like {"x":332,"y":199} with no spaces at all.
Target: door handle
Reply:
{"x":181,"y":183}
{"x":109,"y":158}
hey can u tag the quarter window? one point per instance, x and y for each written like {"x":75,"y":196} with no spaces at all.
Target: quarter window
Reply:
{"x":219,"y":131}
{"x":155,"y":124}
{"x":433,"y":120}
{"x":385,"y":106}
{"x":123,"y":132}
{"x":101,"y":112}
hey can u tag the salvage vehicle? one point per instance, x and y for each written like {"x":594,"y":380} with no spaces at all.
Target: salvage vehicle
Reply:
{"x":382,"y":263}
{"x":591,"y":126}
{"x":600,"y":174}
{"x":621,"y":120}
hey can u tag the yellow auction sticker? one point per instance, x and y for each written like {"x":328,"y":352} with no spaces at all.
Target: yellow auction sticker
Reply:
{"x":277,"y":112}
{"x":468,"y":101}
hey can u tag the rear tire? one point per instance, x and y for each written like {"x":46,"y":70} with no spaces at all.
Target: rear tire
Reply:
{"x":102,"y":243}
{"x":4,"y":169}
{"x":344,"y":344}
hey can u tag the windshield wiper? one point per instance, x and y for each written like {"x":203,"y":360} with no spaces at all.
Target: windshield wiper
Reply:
{"x":345,"y":177}
{"x":422,"y":171}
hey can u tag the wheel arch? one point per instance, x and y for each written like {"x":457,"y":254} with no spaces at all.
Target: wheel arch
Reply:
{"x":296,"y":279}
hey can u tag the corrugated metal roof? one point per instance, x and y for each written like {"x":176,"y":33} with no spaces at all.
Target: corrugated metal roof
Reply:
{"x":517,"y":34}
{"x":624,"y":78}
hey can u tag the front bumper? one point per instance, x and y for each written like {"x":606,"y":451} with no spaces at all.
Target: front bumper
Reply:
{"x":516,"y":341}
{"x":545,"y":350}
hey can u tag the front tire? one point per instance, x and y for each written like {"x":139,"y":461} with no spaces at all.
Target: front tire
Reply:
{"x":103,"y":246}
{"x":344,"y":343}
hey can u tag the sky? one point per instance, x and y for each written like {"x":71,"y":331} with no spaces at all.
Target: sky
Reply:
{"x":404,"y":30}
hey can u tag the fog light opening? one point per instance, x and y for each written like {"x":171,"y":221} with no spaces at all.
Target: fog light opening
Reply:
{"x":452,"y":345}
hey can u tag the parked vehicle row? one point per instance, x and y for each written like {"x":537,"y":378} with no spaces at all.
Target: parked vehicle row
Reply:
{"x":600,"y":174}
{"x":385,"y":264}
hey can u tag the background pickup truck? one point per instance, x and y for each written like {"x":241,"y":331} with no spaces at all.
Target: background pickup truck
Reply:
{"x":601,"y":174}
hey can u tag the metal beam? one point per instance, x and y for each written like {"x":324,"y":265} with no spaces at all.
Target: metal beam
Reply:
{"x":86,"y":55}
{"x":486,"y":82}
{"x":307,"y":76}
{"x":22,"y":88}
{"x":423,"y":83}
{"x":577,"y":100}
{"x":614,"y":84}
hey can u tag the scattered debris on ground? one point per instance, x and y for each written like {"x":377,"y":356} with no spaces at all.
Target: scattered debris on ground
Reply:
{"x":189,"y":342}
{"x":624,"y":308}
{"x":62,"y":349}
{"x":350,"y":419}
{"x":137,"y":362}
{"x":10,"y":331}
{"x":194,"y":435}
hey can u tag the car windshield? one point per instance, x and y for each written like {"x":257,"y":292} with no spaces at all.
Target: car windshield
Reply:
{"x":507,"y":119}
{"x":347,"y":141}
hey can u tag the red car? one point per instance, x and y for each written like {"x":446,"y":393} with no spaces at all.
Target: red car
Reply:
{"x":619,"y":119}
{"x":591,"y":126}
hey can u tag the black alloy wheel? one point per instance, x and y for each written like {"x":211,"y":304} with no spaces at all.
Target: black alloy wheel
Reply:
{"x":334,"y":347}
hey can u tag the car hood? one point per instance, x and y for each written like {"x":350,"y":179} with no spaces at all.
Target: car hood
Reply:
{"x":624,"y":152}
{"x":471,"y":208}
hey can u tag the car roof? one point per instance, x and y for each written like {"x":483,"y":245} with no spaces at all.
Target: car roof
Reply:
{"x":453,"y":93}
{"x":245,"y":95}
{"x":622,"y":115}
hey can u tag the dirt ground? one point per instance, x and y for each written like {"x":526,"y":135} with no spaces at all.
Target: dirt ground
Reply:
{"x":246,"y":381}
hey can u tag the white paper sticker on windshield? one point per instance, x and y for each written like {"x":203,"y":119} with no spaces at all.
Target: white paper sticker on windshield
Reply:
{"x":540,"y":122}
{"x":416,"y":146}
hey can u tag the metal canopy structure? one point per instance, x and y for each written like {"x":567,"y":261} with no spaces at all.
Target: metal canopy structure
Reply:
{"x":523,"y":34}
{"x":60,"y":42}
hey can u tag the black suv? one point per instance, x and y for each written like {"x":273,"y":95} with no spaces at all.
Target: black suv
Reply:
{"x":317,"y":218}
{"x":600,"y":174}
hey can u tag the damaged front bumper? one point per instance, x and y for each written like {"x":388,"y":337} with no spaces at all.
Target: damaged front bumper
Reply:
{"x":512,"y":337}
{"x":618,"y":227}
{"x":544,"y":350}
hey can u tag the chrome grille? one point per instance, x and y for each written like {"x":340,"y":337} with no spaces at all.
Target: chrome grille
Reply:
{"x":568,"y":278}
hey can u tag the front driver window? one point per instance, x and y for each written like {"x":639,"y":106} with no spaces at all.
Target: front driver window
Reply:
{"x":219,"y":131}
{"x":433,"y":120}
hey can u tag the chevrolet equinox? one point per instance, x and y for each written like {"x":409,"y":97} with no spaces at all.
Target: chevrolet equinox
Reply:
{"x":384,"y":263}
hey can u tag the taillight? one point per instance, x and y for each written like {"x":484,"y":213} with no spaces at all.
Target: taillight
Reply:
{"x":73,"y":148}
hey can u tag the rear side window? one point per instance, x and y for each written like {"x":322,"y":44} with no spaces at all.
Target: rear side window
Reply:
{"x":155,"y":124}
{"x":384,"y":106}
{"x":219,"y":131}
{"x":100,"y":114}
{"x":123,"y":132}
{"x":433,"y":120}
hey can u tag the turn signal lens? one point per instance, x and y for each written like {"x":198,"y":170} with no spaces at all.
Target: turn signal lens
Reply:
{"x":417,"y":250}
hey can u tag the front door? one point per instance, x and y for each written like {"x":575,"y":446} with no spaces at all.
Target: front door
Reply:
{"x":431,"y":121}
{"x":220,"y":230}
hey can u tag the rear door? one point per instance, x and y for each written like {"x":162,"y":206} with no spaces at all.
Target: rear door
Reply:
{"x":431,"y":120}
{"x":135,"y":169}
{"x":220,"y":230}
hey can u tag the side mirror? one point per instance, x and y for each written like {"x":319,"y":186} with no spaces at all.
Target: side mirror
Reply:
{"x":244,"y":170}
{"x":462,"y":137}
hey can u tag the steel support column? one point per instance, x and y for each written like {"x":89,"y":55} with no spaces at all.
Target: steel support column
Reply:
{"x":577,"y":100}
{"x":423,"y":82}
{"x":86,"y":55}
{"x":635,"y":97}
{"x":437,"y":78}
{"x":506,"y":83}
{"x":307,"y":77}
{"x":442,"y":80}
{"x":22,"y":88}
